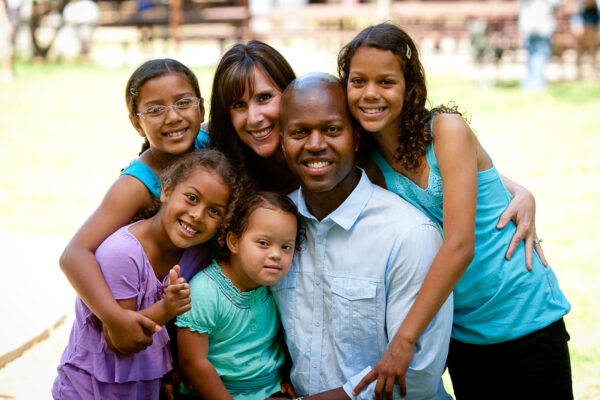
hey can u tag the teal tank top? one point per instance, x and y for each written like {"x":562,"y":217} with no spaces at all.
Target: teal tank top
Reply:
{"x":146,"y":175}
{"x":496,"y":299}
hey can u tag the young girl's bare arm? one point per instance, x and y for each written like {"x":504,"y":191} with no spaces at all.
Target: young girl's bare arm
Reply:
{"x":455,"y":149}
{"x":200,"y":373}
{"x":129,"y":331}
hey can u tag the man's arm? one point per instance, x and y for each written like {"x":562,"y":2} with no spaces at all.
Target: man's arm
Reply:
{"x":410,"y":263}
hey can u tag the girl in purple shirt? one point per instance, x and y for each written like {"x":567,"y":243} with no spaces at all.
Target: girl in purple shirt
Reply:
{"x":137,"y":264}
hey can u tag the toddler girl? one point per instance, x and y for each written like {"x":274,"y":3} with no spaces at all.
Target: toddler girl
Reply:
{"x":228,"y":341}
{"x":137,"y":262}
{"x":166,"y":109}
{"x":508,"y":329}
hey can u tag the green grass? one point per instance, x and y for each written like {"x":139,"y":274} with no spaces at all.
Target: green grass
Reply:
{"x":64,"y":136}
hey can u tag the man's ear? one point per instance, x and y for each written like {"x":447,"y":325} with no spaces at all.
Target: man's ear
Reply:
{"x":232,"y":242}
{"x":135,"y":121}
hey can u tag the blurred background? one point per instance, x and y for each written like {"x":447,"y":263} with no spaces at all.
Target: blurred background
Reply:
{"x":525,"y":73}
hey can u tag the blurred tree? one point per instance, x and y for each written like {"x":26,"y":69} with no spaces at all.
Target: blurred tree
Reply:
{"x":44,"y":23}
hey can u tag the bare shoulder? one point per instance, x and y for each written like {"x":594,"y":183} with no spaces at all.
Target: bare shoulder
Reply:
{"x":451,"y":127}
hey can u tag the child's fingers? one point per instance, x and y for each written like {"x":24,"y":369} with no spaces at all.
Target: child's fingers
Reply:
{"x":174,"y":274}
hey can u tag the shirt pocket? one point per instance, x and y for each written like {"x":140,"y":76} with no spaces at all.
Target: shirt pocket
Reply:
{"x":354,"y":312}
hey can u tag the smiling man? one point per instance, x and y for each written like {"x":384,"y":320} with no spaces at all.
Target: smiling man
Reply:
{"x":366,"y":254}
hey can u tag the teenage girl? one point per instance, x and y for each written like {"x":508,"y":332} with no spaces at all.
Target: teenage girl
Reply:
{"x":244,"y":113}
{"x":137,"y":261}
{"x":508,"y":330}
{"x":228,"y":341}
{"x":166,"y":109}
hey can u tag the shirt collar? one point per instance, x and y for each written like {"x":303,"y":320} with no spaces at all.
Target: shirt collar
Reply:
{"x":349,"y":211}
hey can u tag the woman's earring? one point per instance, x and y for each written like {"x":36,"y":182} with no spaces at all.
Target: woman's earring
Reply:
{"x":408,"y":52}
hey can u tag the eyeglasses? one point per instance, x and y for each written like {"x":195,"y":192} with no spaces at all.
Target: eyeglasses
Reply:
{"x":159,"y":111}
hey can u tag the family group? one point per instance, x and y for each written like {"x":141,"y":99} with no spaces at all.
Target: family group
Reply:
{"x":320,"y":237}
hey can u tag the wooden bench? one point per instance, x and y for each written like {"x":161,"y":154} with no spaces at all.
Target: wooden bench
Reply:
{"x":227,"y":21}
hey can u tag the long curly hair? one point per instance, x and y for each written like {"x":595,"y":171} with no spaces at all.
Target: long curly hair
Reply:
{"x":233,"y":74}
{"x":414,"y":134}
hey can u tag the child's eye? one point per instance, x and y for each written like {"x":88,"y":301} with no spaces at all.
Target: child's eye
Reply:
{"x":263,"y":243}
{"x":154,"y":110}
{"x":192,"y":198}
{"x":287,"y":247}
{"x":357,"y":81}
{"x":214,"y":211}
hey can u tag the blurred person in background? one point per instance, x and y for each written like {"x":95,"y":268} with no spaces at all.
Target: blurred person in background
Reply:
{"x":584,"y":26}
{"x":9,"y":22}
{"x":537,"y":23}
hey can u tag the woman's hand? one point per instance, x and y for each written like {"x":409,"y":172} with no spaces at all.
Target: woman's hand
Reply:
{"x":391,"y":368}
{"x":521,"y":210}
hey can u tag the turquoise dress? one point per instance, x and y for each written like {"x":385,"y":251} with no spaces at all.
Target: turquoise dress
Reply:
{"x":242,"y":327}
{"x":496,"y":300}
{"x":146,"y":175}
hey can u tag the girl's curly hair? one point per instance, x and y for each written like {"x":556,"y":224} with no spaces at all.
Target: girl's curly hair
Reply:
{"x":414,"y":134}
{"x":238,"y":219}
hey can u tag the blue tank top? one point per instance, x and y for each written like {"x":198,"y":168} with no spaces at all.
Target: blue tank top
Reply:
{"x":496,"y":299}
{"x":146,"y":175}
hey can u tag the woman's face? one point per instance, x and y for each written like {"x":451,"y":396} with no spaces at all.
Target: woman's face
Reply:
{"x":255,"y":116}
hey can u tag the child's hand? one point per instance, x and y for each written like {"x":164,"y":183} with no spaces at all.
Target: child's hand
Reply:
{"x":288,"y":388}
{"x":177,"y":294}
{"x":173,"y":279}
{"x":130,"y":333}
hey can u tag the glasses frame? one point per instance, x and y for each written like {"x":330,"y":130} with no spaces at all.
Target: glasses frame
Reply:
{"x":165,"y":109}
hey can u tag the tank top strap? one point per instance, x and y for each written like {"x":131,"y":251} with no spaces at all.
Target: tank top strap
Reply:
{"x":429,"y":153}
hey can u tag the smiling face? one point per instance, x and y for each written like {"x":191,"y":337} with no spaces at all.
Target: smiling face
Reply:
{"x":255,"y":116}
{"x":176,"y":131}
{"x":319,"y":141}
{"x":376,"y":90}
{"x":193,"y":210}
{"x":262,"y":255}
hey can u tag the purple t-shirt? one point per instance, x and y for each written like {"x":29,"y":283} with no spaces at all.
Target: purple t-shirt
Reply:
{"x":128,"y":274}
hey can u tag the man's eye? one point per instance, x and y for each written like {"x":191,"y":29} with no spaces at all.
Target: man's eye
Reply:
{"x":333,"y":129}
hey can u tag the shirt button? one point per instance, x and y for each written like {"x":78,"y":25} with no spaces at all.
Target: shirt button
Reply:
{"x":350,"y":292}
{"x":320,"y":240}
{"x":314,"y":365}
{"x":317,"y":323}
{"x":317,"y":282}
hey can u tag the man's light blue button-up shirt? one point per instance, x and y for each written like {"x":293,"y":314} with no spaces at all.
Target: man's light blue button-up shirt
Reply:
{"x":350,"y":288}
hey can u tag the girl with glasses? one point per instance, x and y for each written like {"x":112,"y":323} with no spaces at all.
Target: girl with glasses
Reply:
{"x":166,"y":109}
